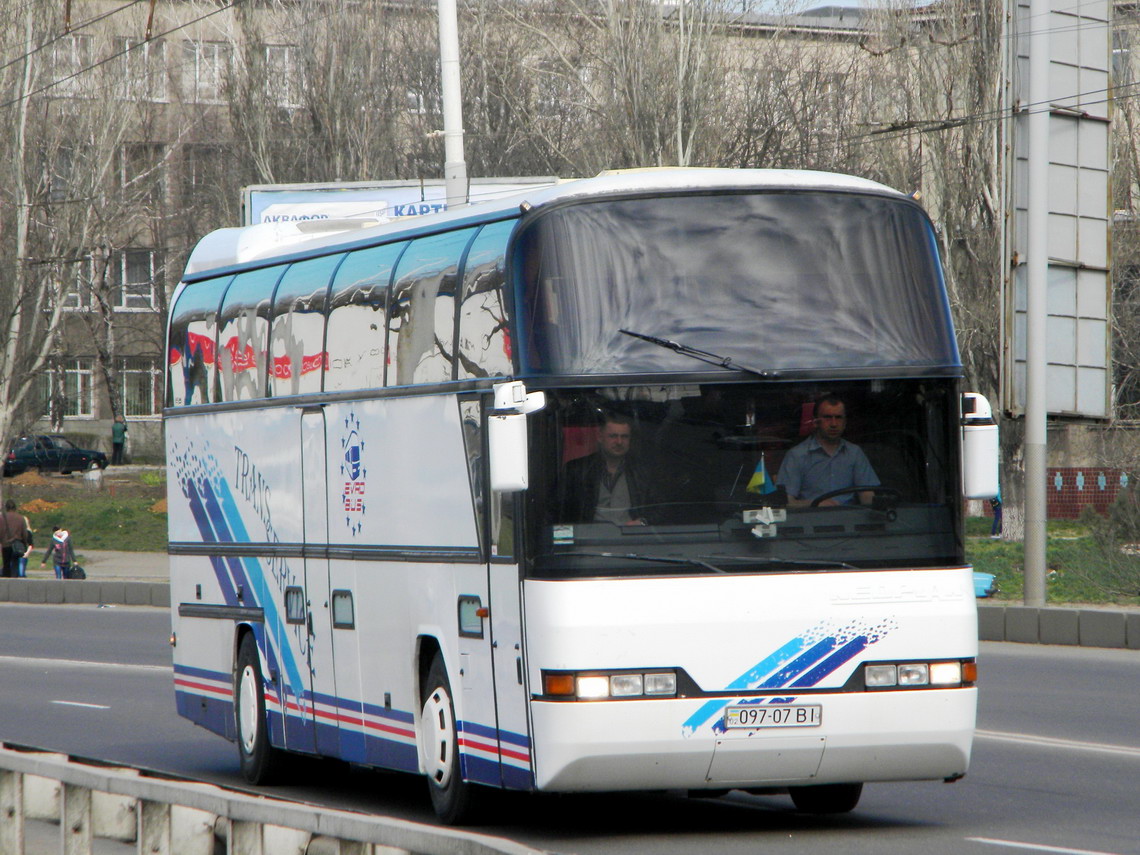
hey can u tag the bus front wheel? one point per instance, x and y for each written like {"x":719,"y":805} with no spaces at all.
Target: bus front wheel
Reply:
{"x":260,"y":761}
{"x":439,"y":749}
{"x":826,"y":798}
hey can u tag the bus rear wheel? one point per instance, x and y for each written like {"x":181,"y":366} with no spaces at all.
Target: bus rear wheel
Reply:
{"x":260,"y":761}
{"x":826,"y":798}
{"x":439,"y":749}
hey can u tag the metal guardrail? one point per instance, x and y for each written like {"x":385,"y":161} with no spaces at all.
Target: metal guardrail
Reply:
{"x":170,"y":817}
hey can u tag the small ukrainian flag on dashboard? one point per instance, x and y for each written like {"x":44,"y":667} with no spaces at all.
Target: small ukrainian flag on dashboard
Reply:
{"x":760,"y":482}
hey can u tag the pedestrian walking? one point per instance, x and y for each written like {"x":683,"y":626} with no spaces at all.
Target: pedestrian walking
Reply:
{"x":14,"y":539}
{"x":22,"y":561}
{"x":61,"y":552}
{"x":118,"y":440}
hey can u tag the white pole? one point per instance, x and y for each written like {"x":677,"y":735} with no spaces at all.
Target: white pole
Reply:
{"x":1037,"y":276}
{"x":454,"y":166}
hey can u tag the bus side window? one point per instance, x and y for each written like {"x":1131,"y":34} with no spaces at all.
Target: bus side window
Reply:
{"x":192,"y":360}
{"x":297,"y":331}
{"x":471,"y":417}
{"x":421,"y":328}
{"x":358,"y":303}
{"x":243,"y":338}
{"x":484,"y":346}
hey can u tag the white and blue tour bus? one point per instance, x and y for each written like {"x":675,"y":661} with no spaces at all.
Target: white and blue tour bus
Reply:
{"x":386,"y":545}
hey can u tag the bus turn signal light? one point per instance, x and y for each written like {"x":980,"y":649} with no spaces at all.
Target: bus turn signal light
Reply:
{"x":559,"y":685}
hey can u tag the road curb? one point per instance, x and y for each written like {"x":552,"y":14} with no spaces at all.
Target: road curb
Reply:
{"x":97,"y":591}
{"x":1074,"y":626}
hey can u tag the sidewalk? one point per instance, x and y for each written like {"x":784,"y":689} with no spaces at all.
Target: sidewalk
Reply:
{"x":113,"y":578}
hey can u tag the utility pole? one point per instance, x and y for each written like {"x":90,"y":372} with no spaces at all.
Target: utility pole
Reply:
{"x":454,"y":165}
{"x":1037,"y":272}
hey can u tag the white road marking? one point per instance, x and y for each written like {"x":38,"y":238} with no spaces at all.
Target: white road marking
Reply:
{"x":1068,"y":744}
{"x":80,"y":704}
{"x":1035,"y":847}
{"x":41,"y":662}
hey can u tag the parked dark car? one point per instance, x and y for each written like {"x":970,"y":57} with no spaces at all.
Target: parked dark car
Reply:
{"x":50,"y":453}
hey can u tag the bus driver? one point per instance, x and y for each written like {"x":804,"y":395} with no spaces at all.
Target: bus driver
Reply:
{"x":825,"y":461}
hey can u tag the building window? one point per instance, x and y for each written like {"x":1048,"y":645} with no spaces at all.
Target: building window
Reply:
{"x":71,"y":57}
{"x":76,"y":284}
{"x":143,"y":69}
{"x":142,"y":173}
{"x":140,"y":380}
{"x":208,"y":64}
{"x":132,"y":274}
{"x":203,"y":172}
{"x":282,"y":76}
{"x":64,"y":168}
{"x":67,"y":389}
{"x":79,"y":387}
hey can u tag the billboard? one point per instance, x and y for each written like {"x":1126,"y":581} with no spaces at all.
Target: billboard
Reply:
{"x":383,"y":201}
{"x":1079,"y":373}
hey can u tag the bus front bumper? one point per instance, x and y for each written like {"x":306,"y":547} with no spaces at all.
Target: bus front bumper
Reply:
{"x":644,"y":745}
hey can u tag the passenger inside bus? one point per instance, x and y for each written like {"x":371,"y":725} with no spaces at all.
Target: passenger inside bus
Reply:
{"x":610,"y":484}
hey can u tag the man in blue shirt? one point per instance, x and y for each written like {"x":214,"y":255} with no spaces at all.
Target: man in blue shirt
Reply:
{"x":825,"y":461}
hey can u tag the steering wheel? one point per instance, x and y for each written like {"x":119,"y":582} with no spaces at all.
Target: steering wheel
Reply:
{"x":890,"y":494}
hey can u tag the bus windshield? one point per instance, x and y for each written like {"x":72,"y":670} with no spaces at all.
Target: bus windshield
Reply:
{"x":745,"y":477}
{"x":784,"y":282}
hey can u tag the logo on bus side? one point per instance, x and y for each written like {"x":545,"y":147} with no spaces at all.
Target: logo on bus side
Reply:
{"x":354,"y":471}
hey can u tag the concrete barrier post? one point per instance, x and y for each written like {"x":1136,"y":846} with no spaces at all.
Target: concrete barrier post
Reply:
{"x":244,"y":838}
{"x":154,"y":828}
{"x":75,"y":821}
{"x":11,"y":813}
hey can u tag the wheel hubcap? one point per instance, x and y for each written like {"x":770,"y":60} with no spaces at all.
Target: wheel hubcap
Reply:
{"x":247,"y":709}
{"x":437,"y":737}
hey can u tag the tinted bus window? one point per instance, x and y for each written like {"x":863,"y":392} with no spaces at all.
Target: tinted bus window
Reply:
{"x":244,"y":334}
{"x":297,"y":331}
{"x":354,"y":341}
{"x":421,"y":329}
{"x":776,"y":281}
{"x":192,"y":358}
{"x":484,"y":343}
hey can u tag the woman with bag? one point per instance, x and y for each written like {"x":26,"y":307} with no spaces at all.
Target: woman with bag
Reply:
{"x":61,"y":551}
{"x":14,"y":539}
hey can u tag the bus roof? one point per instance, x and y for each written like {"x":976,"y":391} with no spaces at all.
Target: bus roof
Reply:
{"x":226,"y":249}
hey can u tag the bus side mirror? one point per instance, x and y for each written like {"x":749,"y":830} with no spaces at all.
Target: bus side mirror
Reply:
{"x":979,"y":448}
{"x":506,"y":446}
{"x":506,"y":435}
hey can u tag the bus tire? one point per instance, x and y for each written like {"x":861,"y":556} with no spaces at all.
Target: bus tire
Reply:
{"x":826,"y":798}
{"x":439,"y":749}
{"x":260,"y":761}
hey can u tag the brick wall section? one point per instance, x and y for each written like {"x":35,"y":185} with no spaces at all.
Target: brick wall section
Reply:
{"x":1069,"y":489}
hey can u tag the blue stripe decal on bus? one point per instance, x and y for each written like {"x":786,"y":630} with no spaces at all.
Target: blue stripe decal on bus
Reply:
{"x":218,"y":520}
{"x":803,"y":662}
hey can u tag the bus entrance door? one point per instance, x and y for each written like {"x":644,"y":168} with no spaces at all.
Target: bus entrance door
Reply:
{"x":510,"y":693}
{"x":322,"y":638}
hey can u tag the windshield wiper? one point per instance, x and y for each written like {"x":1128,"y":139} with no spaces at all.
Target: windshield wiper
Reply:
{"x":725,"y":362}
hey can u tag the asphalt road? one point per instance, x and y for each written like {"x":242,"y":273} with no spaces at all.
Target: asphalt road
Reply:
{"x":1055,"y":763}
